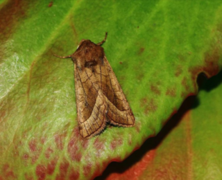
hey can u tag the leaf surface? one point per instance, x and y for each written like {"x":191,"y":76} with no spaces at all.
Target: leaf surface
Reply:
{"x":156,"y":49}
{"x":188,"y":147}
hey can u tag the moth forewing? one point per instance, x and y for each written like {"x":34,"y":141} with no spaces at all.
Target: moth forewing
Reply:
{"x":99,"y":97}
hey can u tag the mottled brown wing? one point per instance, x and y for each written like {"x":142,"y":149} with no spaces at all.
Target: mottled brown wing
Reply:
{"x":119,"y":112}
{"x":99,"y":98}
{"x":91,"y":106}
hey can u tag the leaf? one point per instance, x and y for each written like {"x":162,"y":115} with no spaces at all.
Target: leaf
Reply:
{"x":189,"y":150}
{"x":156,"y":49}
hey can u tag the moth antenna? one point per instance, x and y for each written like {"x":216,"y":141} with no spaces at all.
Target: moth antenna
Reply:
{"x":103,"y":40}
{"x":62,"y":57}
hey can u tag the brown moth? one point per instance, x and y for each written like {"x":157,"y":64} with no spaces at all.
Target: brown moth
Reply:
{"x":99,"y":97}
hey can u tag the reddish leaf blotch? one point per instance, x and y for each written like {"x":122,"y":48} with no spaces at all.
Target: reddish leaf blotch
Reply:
{"x":73,"y":174}
{"x":99,"y":146}
{"x":59,"y":141}
{"x":32,"y":145}
{"x":50,"y":4}
{"x":141,"y":50}
{"x":154,"y":89}
{"x":178,"y":71}
{"x":8,"y":172}
{"x":87,"y":169}
{"x":171,"y":92}
{"x":63,"y":170}
{"x":12,"y":11}
{"x":51,"y":166}
{"x":28,"y":177}
{"x":40,"y":172}
{"x":186,"y":87}
{"x":48,"y":152}
{"x":116,"y":142}
{"x":149,"y":105}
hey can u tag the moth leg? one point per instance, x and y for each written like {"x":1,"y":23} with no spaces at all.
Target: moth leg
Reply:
{"x":62,"y":57}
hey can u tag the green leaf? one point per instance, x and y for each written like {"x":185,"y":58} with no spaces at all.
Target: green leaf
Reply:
{"x":156,"y":49}
{"x":189,"y":146}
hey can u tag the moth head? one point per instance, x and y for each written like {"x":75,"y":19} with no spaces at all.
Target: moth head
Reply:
{"x":89,"y":52}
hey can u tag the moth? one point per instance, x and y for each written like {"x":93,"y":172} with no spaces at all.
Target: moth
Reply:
{"x":99,"y":97}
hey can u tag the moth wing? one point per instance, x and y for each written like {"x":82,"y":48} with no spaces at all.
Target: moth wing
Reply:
{"x":99,"y":98}
{"x":91,"y":105}
{"x":119,"y":112}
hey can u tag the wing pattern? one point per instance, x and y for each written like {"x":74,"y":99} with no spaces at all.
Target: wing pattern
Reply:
{"x":100,"y":99}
